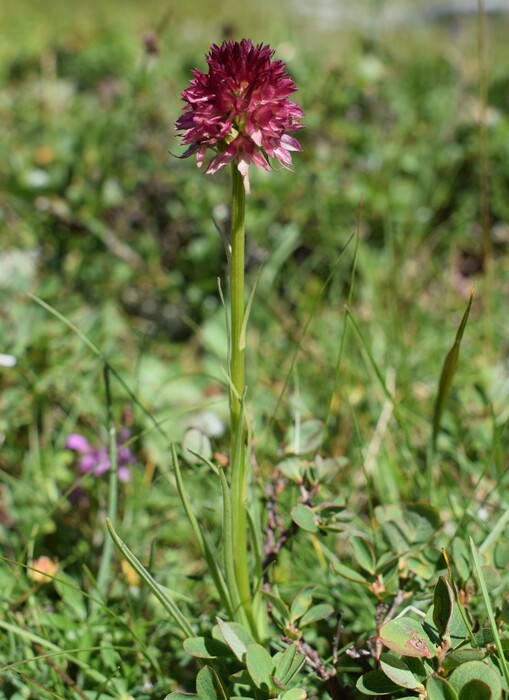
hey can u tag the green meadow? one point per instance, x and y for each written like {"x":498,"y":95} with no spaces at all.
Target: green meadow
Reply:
{"x":377,"y":347}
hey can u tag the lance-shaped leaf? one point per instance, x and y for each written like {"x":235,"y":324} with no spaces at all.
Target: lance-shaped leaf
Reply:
{"x":448,"y":371}
{"x":443,"y":604}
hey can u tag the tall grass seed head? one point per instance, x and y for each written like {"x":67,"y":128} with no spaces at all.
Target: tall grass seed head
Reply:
{"x":240,"y":109}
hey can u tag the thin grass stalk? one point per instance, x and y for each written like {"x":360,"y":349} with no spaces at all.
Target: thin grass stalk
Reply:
{"x":107,"y":553}
{"x":164,"y":598}
{"x":493,"y":624}
{"x":229,"y":557}
{"x":205,"y":546}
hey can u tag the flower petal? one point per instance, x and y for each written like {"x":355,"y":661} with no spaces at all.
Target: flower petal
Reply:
{"x":78,"y":443}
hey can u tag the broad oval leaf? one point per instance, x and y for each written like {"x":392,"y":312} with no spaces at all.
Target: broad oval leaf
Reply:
{"x":206,"y":648}
{"x":288,"y":664}
{"x":475,"y":690}
{"x":196,"y":445}
{"x":350,"y":574}
{"x":376,"y":683}
{"x":294,"y":694}
{"x":306,"y":438}
{"x":279,"y":605}
{"x":260,"y":665}
{"x":461,"y":559}
{"x":364,"y":553}
{"x":440,"y":689}
{"x":476,"y":671}
{"x":407,"y":637}
{"x":397,"y":670}
{"x":302,"y":602}
{"x":460,"y":656}
{"x":316,"y":613}
{"x":305,"y":518}
{"x":208,"y":685}
{"x":232,"y":639}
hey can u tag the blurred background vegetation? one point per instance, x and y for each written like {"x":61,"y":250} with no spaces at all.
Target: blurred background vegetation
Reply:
{"x":406,"y":144}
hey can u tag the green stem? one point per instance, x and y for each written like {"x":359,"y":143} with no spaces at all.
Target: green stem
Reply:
{"x":107,"y":553}
{"x":237,"y":361}
{"x":239,"y":471}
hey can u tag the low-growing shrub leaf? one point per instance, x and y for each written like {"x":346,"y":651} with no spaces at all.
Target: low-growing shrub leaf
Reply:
{"x":420,"y":566}
{"x":475,"y":690}
{"x":460,"y":656}
{"x":288,"y":664}
{"x":397,"y":670}
{"x":476,"y":671}
{"x":395,"y":537}
{"x":349,"y":574}
{"x":461,"y":559}
{"x":206,"y":648}
{"x":376,"y":683}
{"x":260,"y":665}
{"x":443,"y":604}
{"x":317,"y":612}
{"x":232,"y":639}
{"x":294,"y":694}
{"x":440,"y":689}
{"x":305,"y":518}
{"x":209,"y":686}
{"x":302,"y":602}
{"x":364,"y":553}
{"x":306,"y":439}
{"x":407,"y":637}
{"x":279,"y":605}
{"x":292,"y":468}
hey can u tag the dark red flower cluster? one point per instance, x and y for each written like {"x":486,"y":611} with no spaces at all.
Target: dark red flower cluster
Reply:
{"x":240,"y":109}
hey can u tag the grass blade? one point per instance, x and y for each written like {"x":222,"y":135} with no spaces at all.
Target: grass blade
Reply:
{"x":204,"y":544}
{"x":169,"y":605}
{"x":489,"y":610}
{"x":448,"y":371}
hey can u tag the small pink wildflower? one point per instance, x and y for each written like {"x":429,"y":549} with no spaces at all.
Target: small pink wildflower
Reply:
{"x":240,"y":109}
{"x":96,"y":459}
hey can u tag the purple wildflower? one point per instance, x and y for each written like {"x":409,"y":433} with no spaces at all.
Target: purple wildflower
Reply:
{"x":96,"y":460}
{"x":240,"y":109}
